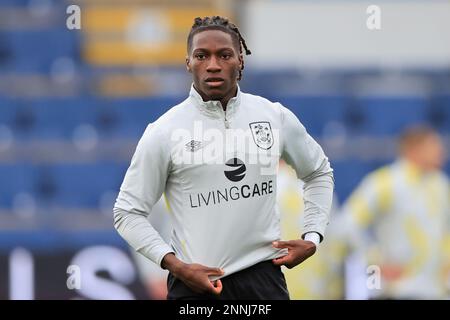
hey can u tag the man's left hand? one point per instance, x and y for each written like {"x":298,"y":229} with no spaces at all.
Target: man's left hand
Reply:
{"x":298,"y":251}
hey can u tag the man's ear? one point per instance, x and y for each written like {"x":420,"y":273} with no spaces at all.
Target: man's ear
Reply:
{"x":241,"y":62}
{"x":188,"y":64}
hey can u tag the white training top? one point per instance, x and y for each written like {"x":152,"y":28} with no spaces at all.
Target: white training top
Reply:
{"x":218,"y":171}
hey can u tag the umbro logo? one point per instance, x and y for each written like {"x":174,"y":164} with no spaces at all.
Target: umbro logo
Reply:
{"x":193,"y":145}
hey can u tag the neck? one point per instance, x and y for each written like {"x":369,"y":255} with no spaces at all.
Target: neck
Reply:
{"x":223,"y":101}
{"x":416,"y":165}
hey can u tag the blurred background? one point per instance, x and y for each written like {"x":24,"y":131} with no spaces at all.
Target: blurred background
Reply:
{"x":74,"y":102}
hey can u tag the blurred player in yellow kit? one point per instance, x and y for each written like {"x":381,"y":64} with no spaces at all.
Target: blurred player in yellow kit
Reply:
{"x":319,"y":277}
{"x":399,"y":218}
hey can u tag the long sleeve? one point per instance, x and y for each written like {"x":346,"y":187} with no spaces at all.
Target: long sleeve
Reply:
{"x":307,"y":158}
{"x":142,"y":187}
{"x":373,"y":196}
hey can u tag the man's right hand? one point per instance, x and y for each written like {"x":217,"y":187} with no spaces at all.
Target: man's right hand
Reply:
{"x":195,"y":276}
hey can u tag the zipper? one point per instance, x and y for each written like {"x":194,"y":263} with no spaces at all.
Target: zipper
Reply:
{"x":227,"y":124}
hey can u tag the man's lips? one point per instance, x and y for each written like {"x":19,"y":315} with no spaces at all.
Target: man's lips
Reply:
{"x":214,"y":82}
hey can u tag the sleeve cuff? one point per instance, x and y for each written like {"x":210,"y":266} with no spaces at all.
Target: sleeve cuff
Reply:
{"x":161,"y":257}
{"x":313,"y":237}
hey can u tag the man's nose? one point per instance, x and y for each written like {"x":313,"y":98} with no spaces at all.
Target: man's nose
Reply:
{"x":213,"y":65}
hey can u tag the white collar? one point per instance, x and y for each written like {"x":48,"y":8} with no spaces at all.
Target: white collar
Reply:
{"x":214,"y":107}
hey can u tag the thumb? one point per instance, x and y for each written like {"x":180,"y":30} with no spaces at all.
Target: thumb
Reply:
{"x":280,"y":244}
{"x":217,"y":287}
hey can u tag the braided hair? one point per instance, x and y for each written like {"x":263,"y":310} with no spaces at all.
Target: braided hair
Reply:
{"x":222,"y":24}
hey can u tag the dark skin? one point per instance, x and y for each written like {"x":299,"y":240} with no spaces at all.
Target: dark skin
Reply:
{"x":298,"y":251}
{"x":214,"y":62}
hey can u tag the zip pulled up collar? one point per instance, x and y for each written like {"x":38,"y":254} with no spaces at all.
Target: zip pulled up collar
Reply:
{"x":213,"y":108}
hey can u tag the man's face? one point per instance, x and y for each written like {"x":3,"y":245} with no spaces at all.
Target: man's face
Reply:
{"x":429,"y":153}
{"x":214,"y":63}
{"x":432,"y":152}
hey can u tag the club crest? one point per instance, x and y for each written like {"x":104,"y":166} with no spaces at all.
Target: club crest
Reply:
{"x":262,"y":134}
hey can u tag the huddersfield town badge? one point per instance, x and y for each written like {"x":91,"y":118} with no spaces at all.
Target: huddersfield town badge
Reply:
{"x":262,"y":134}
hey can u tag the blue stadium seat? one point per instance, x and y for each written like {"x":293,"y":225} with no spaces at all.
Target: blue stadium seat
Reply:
{"x":14,"y":3}
{"x":447,"y":168}
{"x":35,"y":51}
{"x":7,"y":111}
{"x":60,"y":185}
{"x":58,"y":118}
{"x":14,"y":179}
{"x":438,"y":113}
{"x":82,"y":185}
{"x":135,"y":114}
{"x":390,"y":116}
{"x":316,"y":112}
{"x":55,"y":118}
{"x":275,"y":83}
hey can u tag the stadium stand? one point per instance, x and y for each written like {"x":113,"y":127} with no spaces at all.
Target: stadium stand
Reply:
{"x":36,"y":112}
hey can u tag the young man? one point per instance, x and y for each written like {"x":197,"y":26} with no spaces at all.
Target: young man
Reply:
{"x":222,"y":193}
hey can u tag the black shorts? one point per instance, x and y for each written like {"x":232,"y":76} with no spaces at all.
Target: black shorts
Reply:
{"x":263,"y":281}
